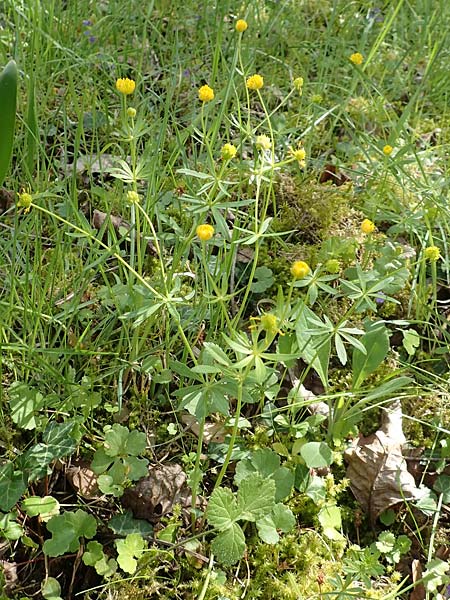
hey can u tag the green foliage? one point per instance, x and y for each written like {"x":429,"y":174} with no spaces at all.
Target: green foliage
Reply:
{"x":129,"y":551}
{"x":66,"y":530}
{"x":376,"y":348}
{"x":94,"y":556}
{"x":51,"y":589}
{"x":9,"y":528}
{"x":254,"y":502}
{"x":8,"y":95}
{"x":45,"y":507}
{"x":116,"y":462}
{"x":25,"y":402}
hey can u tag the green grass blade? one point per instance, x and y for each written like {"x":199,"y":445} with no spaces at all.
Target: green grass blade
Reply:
{"x":8,"y":97}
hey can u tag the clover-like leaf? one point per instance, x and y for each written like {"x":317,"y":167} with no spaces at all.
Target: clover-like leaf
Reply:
{"x":129,"y":552}
{"x":66,"y":531}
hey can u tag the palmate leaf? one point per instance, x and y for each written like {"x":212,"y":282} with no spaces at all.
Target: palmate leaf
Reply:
{"x":66,"y":531}
{"x":256,"y":497}
{"x":222,"y":511}
{"x":129,"y":551}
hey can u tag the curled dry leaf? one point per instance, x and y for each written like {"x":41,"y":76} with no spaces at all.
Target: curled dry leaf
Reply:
{"x":84,"y":481}
{"x":212,"y":432}
{"x":377,"y":470}
{"x":154,"y":496}
{"x":418,"y":592}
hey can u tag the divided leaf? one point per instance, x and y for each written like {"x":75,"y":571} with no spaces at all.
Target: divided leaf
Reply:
{"x":130,"y":551}
{"x":222,"y":511}
{"x":66,"y":531}
{"x":256,"y":497}
{"x":229,"y":545}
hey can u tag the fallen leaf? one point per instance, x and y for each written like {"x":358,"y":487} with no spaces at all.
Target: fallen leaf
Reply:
{"x":10,"y":575}
{"x":212,"y":432}
{"x":418,"y":593}
{"x":154,"y":496}
{"x":377,"y":469}
{"x":84,"y":481}
{"x":99,"y":217}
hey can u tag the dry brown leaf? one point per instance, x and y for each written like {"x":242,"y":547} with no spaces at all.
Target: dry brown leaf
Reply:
{"x":84,"y":481}
{"x":377,"y":470}
{"x":155,"y":495}
{"x":418,"y":593}
{"x":10,"y":575}
{"x":212,"y":432}
{"x":99,"y":217}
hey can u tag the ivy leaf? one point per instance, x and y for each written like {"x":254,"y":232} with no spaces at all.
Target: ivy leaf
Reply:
{"x":12,"y":485}
{"x":66,"y":530}
{"x":126,"y":523}
{"x":256,"y":497}
{"x":24,"y":402}
{"x":316,"y":455}
{"x":45,"y":507}
{"x":229,"y":546}
{"x":222,"y":511}
{"x":129,"y":552}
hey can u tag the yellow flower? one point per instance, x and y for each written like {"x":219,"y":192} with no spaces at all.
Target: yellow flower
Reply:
{"x":387,"y":150}
{"x":357,"y":58}
{"x":228,"y":151}
{"x":263,"y":142}
{"x":125,"y":86}
{"x":204,"y":232}
{"x":367,"y":226}
{"x":241,"y":25}
{"x":131,"y":112}
{"x":432,"y":253}
{"x":300,"y":269}
{"x":298,"y":84}
{"x":255,"y":82}
{"x":299,"y":154}
{"x":132,"y":197}
{"x":25,"y":201}
{"x":205,"y":93}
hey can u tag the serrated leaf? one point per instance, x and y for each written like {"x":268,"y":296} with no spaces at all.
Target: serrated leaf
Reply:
{"x":256,"y":497}
{"x":107,"y":486}
{"x":267,"y":530}
{"x":316,"y":455}
{"x":229,"y":546}
{"x":222,"y":509}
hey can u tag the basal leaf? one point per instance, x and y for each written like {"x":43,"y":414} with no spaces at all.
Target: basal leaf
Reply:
{"x":222,"y":509}
{"x":229,"y":546}
{"x":256,"y":497}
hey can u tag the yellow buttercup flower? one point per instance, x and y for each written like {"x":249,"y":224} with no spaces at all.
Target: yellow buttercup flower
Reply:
{"x":387,"y":150}
{"x":25,"y":201}
{"x":255,"y":82}
{"x":132,"y":197}
{"x":228,"y":151}
{"x":263,"y":142}
{"x":241,"y":25}
{"x":300,"y":269}
{"x":204,"y":232}
{"x":357,"y":58}
{"x":367,"y":226}
{"x":206,"y":93}
{"x":125,"y":86}
{"x":432,"y":253}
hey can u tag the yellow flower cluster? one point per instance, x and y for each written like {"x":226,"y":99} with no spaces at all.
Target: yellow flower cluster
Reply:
{"x":132,"y":197}
{"x":300,"y":269}
{"x":204,"y":232}
{"x":241,"y":25}
{"x":357,"y":58}
{"x":25,"y":201}
{"x":206,"y":93}
{"x":298,"y":84}
{"x":255,"y":82}
{"x":125,"y":86}
{"x":263,"y":142}
{"x":432,"y":253}
{"x":228,"y":151}
{"x":367,"y":226}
